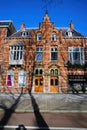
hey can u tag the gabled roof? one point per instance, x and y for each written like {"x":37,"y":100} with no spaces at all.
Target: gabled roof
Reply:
{"x":18,"y":34}
{"x":74,"y":32}
{"x":5,"y":23}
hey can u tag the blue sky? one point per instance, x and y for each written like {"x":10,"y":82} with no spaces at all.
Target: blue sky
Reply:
{"x":31,"y":12}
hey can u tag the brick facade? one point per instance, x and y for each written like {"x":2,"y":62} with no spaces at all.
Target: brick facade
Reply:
{"x":48,"y":73}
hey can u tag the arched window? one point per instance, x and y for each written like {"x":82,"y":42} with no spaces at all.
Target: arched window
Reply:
{"x":52,"y":72}
{"x":56,"y":72}
{"x":41,"y":71}
{"x":36,"y":71}
{"x":10,"y":78}
{"x":22,"y":78}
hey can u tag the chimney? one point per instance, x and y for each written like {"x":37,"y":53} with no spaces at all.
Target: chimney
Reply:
{"x":22,"y":26}
{"x":71,"y":25}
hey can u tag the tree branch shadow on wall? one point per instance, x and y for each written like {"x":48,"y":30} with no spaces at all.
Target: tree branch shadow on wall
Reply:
{"x":8,"y":111}
{"x":42,"y":125}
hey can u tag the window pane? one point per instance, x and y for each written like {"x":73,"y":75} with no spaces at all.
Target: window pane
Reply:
{"x":51,"y":82}
{"x":56,"y":72}
{"x":22,"y":78}
{"x":41,"y":81}
{"x":76,"y":55}
{"x":10,"y":78}
{"x":39,"y":37}
{"x":9,"y":82}
{"x":36,"y":72}
{"x":39,"y":54}
{"x":53,"y":56}
{"x":56,"y":81}
{"x":41,"y":72}
{"x":52,"y":72}
{"x":36,"y":81}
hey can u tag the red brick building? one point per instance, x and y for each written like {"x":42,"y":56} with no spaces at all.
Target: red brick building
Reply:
{"x":44,"y":59}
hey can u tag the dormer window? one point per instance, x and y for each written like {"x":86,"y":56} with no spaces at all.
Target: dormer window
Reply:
{"x":53,"y":37}
{"x":16,"y":54}
{"x":24,"y":33}
{"x":39,"y":37}
{"x":69,"y":34}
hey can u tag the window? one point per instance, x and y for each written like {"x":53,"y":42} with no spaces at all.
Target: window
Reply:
{"x":54,"y":54}
{"x":10,"y":78}
{"x":54,"y":72}
{"x":54,"y":82}
{"x":53,"y":37}
{"x":24,"y":33}
{"x":38,"y":72}
{"x":69,"y":34}
{"x":16,"y":54}
{"x":39,"y":54}
{"x":39,"y":37}
{"x":76,"y":55}
{"x":22,"y":78}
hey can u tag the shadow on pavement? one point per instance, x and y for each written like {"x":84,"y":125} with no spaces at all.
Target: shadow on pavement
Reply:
{"x":42,"y":125}
{"x":8,"y":112}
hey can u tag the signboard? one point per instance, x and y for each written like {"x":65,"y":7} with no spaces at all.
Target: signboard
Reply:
{"x":77,"y":78}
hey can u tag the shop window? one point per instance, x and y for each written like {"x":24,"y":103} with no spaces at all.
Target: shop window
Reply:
{"x":22,"y":78}
{"x":10,"y":78}
{"x":76,"y":55}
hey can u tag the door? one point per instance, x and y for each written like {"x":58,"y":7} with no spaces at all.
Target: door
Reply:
{"x":54,"y":84}
{"x":38,"y":84}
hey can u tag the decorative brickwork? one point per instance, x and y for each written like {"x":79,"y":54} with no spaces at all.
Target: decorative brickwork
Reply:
{"x":45,"y":56}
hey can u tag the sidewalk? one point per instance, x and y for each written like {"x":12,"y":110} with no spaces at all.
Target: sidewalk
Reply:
{"x":46,"y":102}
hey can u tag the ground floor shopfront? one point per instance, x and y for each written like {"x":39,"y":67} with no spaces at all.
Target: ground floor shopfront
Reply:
{"x":77,"y":82}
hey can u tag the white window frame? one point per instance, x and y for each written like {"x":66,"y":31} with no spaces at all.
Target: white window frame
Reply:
{"x":53,"y":38}
{"x":54,"y":50}
{"x":22,"y":78}
{"x":39,"y":37}
{"x":71,"y":51}
{"x":11,"y":74}
{"x":69,"y":33}
{"x":24,"y":33}
{"x":16,"y":55}
{"x":39,"y":52}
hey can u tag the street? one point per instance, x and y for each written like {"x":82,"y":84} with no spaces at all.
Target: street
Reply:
{"x":66,"y":120}
{"x":43,"y":111}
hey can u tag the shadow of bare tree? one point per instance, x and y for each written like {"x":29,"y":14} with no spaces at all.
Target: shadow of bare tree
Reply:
{"x":8,"y":112}
{"x":42,"y":125}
